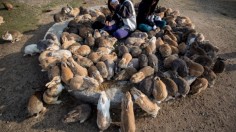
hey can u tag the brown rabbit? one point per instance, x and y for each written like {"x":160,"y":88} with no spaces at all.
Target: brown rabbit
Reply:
{"x":96,"y":34}
{"x":141,"y":74}
{"x":80,"y":113}
{"x":104,"y":50}
{"x":66,"y":43}
{"x":143,"y":101}
{"x":126,"y":58}
{"x":159,"y":42}
{"x":168,"y":40}
{"x":165,"y":50}
{"x":76,"y":68}
{"x":50,"y":96}
{"x":95,"y":56}
{"x":151,"y":48}
{"x":83,"y":61}
{"x":66,"y":72}
{"x":1,"y":20}
{"x":93,"y":72}
{"x":76,"y":82}
{"x":35,"y":104}
{"x":12,"y":35}
{"x":127,"y":114}
{"x":7,"y":5}
{"x":159,"y":90}
{"x":102,"y":68}
{"x":83,"y":50}
{"x":198,"y":85}
{"x":109,"y":57}
{"x":125,"y":74}
{"x":195,"y":69}
{"x":89,"y":40}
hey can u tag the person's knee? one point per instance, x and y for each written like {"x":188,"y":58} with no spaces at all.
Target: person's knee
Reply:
{"x":160,"y":24}
{"x":120,"y":33}
{"x":144,"y":27}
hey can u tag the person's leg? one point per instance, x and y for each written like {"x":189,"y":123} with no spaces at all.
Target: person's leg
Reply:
{"x":144,"y":27}
{"x":110,"y":28}
{"x":161,"y":23}
{"x":121,"y":33}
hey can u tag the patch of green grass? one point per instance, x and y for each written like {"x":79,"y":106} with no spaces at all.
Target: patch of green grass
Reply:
{"x":22,"y":18}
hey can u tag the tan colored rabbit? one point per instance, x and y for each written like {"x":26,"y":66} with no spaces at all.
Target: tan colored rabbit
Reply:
{"x":51,"y":95}
{"x":35,"y":104}
{"x":1,"y":20}
{"x":76,"y":68}
{"x":12,"y":35}
{"x":141,"y":74}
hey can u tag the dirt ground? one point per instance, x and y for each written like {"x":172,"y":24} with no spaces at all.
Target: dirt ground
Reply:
{"x":212,"y":110}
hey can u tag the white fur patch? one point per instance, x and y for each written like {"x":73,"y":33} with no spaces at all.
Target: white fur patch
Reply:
{"x":9,"y":37}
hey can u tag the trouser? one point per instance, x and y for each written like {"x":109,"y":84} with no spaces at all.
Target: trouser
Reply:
{"x":117,"y":32}
{"x":146,"y":28}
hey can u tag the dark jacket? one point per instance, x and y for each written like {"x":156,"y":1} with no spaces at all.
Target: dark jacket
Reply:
{"x":146,"y":8}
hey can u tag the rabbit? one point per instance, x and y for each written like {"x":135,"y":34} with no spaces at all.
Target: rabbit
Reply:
{"x":126,"y":58}
{"x":83,"y":50}
{"x":50,"y":96}
{"x":102,"y":68}
{"x":95,"y":56}
{"x":110,"y":68}
{"x":84,"y":30}
{"x":210,"y":76}
{"x":153,"y":33}
{"x":103,"y":113}
{"x":127,"y":114}
{"x":12,"y":35}
{"x":76,"y":82}
{"x":89,"y":40}
{"x":73,"y":11}
{"x":219,"y":65}
{"x":46,"y":61}
{"x":134,"y":63}
{"x":74,"y":47}
{"x":43,"y":45}
{"x":179,"y":66}
{"x":159,"y":92}
{"x":151,"y":48}
{"x":122,"y":49}
{"x":168,"y":60}
{"x":170,"y":35}
{"x":7,"y":5}
{"x":183,"y":86}
{"x":83,"y":10}
{"x":96,"y":34}
{"x":76,"y":68}
{"x":143,"y":102}
{"x":83,"y":61}
{"x":54,"y":74}
{"x":203,"y":60}
{"x":153,"y":62}
{"x":62,"y":15}
{"x":143,"y":61}
{"x":198,"y":86}
{"x":195,"y":69}
{"x":168,"y":40}
{"x":80,"y":113}
{"x":134,"y":41}
{"x":146,"y":86}
{"x":196,"y":49}
{"x":1,"y":20}
{"x":89,"y":83}
{"x":159,"y":42}
{"x":165,"y":50}
{"x":59,"y":54}
{"x":109,"y":57}
{"x":174,"y":50}
{"x":66,"y":43}
{"x":171,"y":87}
{"x":66,"y":72}
{"x":31,"y":50}
{"x":182,"y":48}
{"x":135,"y":51}
{"x":141,"y":74}
{"x":138,"y":34}
{"x":53,"y":37}
{"x":35,"y":105}
{"x":104,"y":33}
{"x":104,"y":50}
{"x":125,"y":74}
{"x":93,"y":72}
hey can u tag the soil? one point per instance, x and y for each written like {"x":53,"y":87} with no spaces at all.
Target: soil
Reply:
{"x":212,"y":110}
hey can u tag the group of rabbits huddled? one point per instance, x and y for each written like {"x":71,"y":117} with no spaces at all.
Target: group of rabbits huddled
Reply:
{"x":161,"y":64}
